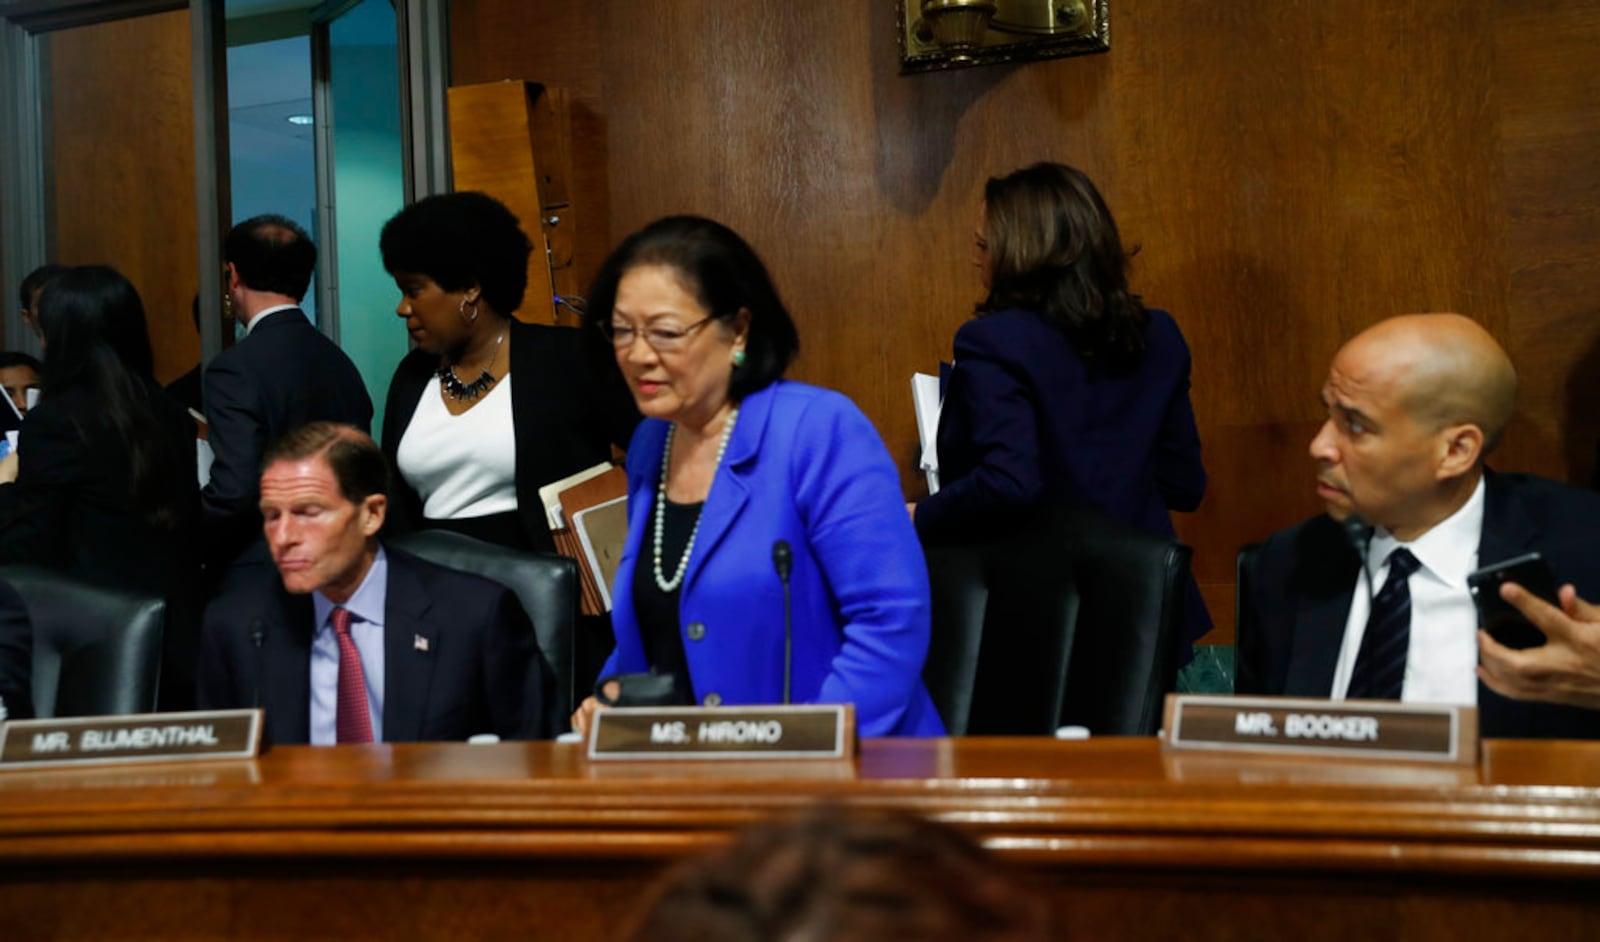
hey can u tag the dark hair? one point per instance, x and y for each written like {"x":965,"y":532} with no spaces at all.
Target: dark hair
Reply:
{"x":95,"y":339}
{"x":1054,"y":248}
{"x":352,"y":455}
{"x":459,"y":240}
{"x":37,"y":279}
{"x":835,"y":875}
{"x":725,"y":276}
{"x":10,"y":358}
{"x":272,"y":254}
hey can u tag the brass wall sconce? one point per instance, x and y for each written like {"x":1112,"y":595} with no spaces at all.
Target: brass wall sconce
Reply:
{"x":952,"y":34}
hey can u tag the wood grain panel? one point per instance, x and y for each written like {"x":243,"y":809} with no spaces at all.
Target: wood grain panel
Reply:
{"x":122,"y":129}
{"x":1291,"y":173}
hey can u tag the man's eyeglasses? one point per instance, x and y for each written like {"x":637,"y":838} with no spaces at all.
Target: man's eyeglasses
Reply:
{"x":659,"y":339}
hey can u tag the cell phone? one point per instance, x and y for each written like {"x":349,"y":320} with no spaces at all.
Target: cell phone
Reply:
{"x":1497,"y":616}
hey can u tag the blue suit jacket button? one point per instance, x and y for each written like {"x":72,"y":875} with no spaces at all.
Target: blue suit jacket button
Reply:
{"x":697,"y":630}
{"x":712,"y":699}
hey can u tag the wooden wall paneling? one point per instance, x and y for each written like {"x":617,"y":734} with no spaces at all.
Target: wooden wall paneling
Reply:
{"x":558,"y":45}
{"x":1291,"y":172}
{"x":1549,"y":104}
{"x":121,"y":122}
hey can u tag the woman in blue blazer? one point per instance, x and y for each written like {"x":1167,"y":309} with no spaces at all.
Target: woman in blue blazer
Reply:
{"x":1067,"y":391}
{"x":732,"y":462}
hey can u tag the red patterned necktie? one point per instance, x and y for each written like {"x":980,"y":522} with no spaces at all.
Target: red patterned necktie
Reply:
{"x":353,"y":722}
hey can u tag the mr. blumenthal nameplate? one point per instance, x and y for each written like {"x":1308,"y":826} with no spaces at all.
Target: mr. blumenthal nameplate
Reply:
{"x":822,"y":731}
{"x":145,"y":737}
{"x":1376,"y":729}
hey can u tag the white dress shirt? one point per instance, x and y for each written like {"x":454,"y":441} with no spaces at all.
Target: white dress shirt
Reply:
{"x":262,"y":315}
{"x":366,"y":607}
{"x":1441,"y":664}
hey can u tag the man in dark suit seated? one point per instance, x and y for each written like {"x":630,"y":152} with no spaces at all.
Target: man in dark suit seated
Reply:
{"x":282,"y":375}
{"x":350,"y":642}
{"x":1415,"y":404}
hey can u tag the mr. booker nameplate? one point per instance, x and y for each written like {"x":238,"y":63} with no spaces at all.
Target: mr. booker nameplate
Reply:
{"x":770,"y":732}
{"x":1376,"y":729}
{"x":145,"y":737}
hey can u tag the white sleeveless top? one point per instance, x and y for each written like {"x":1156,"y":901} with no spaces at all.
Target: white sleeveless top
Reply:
{"x":462,"y":465}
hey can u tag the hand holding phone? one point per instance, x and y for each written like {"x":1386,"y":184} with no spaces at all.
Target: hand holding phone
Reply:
{"x":1497,"y":616}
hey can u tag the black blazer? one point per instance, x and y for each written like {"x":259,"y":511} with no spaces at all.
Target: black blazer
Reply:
{"x":568,"y":406}
{"x":480,"y":671}
{"x":1306,"y":575}
{"x":71,"y":508}
{"x":285,"y":374}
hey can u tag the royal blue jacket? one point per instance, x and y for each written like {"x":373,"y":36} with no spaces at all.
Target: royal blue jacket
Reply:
{"x":803,"y":465}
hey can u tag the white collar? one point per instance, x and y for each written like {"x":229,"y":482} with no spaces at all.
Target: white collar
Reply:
{"x":1448,"y":550}
{"x":261,"y":315}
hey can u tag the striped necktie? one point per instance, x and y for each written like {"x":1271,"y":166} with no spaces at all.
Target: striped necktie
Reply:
{"x":1380,"y":671}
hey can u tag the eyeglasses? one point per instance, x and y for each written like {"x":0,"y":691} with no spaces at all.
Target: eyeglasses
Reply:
{"x":659,"y":339}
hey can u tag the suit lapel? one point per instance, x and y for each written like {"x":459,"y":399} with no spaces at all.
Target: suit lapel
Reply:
{"x":1327,"y":577}
{"x":410,"y":647}
{"x":730,"y":490}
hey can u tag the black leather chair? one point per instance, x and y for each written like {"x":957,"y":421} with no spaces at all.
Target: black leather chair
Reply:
{"x":1130,"y":615}
{"x":546,"y":584}
{"x":1072,"y":623}
{"x":96,"y":651}
{"x":1003,"y":621}
{"x":1245,"y":629}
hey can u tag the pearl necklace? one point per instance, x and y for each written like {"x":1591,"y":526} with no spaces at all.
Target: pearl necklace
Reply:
{"x":662,"y":582}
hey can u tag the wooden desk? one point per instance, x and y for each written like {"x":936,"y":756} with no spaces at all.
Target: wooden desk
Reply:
{"x":532,"y":841}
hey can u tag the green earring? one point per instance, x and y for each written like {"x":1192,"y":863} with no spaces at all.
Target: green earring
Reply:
{"x":738,"y":358}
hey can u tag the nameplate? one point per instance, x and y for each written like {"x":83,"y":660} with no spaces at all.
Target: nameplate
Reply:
{"x":1350,"y":728}
{"x":145,"y":737}
{"x":825,"y":731}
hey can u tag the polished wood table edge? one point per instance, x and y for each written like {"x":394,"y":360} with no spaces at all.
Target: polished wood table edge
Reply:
{"x":1109,"y":803}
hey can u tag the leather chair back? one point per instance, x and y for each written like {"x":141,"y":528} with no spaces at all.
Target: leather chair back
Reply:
{"x":545,"y":584}
{"x":1073,"y":623}
{"x":1131,"y":586}
{"x":1003,"y":621}
{"x":96,"y":651}
{"x":1246,"y":631}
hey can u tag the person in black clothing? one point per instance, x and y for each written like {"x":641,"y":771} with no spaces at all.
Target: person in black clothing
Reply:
{"x":103,"y":486}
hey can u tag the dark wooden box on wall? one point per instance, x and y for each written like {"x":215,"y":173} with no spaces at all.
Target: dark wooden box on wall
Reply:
{"x":513,"y":141}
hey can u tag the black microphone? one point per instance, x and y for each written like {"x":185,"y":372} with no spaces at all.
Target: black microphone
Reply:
{"x":258,"y":635}
{"x":1358,"y":533}
{"x":783,"y":561}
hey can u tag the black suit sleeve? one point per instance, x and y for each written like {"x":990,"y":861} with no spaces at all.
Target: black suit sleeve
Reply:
{"x":1180,"y":474}
{"x":34,"y":509}
{"x":216,"y":681}
{"x":236,"y":430}
{"x":16,"y":655}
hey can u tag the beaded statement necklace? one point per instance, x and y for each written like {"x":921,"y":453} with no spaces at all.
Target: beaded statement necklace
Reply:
{"x":662,"y":582}
{"x":459,"y":391}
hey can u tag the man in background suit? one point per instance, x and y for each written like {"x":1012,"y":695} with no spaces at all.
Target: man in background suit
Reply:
{"x":350,"y":642}
{"x":282,"y":375}
{"x":1415,"y":404}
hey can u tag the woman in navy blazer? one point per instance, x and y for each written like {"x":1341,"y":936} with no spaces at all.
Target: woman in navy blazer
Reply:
{"x":730,"y":462}
{"x":1067,"y":391}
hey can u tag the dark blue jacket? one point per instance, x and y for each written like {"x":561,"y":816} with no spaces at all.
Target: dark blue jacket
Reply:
{"x":1027,"y":423}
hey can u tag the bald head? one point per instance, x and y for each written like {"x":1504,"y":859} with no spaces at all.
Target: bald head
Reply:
{"x":1444,"y":369}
